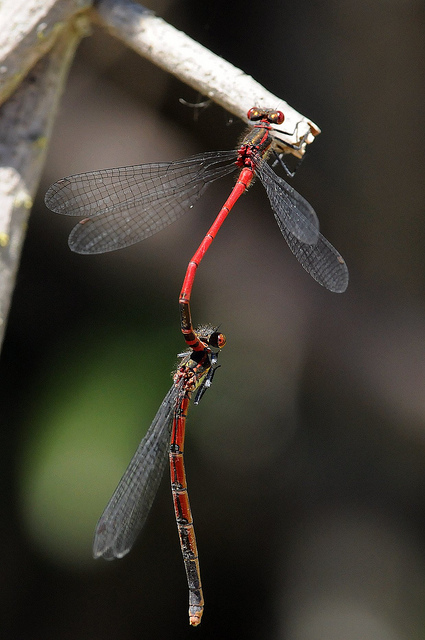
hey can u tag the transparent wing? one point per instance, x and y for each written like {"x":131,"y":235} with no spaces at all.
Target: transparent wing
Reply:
{"x":290,"y":209}
{"x":125,"y":205}
{"x":321,"y":260}
{"x":127,"y":510}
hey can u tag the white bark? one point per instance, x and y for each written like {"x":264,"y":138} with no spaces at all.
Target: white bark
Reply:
{"x":28,"y":30}
{"x":26,"y":121}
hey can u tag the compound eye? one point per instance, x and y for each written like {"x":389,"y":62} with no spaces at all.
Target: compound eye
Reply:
{"x":276,"y":117}
{"x":254,"y":114}
{"x":217,"y":340}
{"x":221,"y":340}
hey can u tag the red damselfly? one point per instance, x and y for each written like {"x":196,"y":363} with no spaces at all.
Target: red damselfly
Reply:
{"x":127,"y":510}
{"x":125,"y":205}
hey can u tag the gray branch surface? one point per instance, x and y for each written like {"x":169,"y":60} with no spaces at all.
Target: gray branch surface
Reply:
{"x":26,"y":122}
{"x":28,"y":30}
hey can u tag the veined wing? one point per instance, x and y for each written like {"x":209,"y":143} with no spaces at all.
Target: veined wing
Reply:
{"x":125,"y":205}
{"x":290,"y":209}
{"x":127,"y":510}
{"x":321,"y":260}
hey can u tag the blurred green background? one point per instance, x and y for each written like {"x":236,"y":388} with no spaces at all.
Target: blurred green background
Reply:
{"x":306,"y":461}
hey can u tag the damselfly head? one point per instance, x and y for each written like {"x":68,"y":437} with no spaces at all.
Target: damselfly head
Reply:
{"x":272,"y":116}
{"x":210,"y":336}
{"x":217,"y":340}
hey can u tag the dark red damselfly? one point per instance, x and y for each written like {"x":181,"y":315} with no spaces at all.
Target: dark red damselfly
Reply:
{"x":125,"y":205}
{"x":127,"y":510}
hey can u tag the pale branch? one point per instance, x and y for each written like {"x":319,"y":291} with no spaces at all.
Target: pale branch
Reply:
{"x":28,"y":30}
{"x":212,"y":76}
{"x":26,"y":122}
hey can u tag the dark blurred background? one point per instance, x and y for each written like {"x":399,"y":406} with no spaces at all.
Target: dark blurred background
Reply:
{"x":306,"y":461}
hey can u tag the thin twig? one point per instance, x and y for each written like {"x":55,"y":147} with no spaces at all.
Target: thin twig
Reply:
{"x":213,"y":77}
